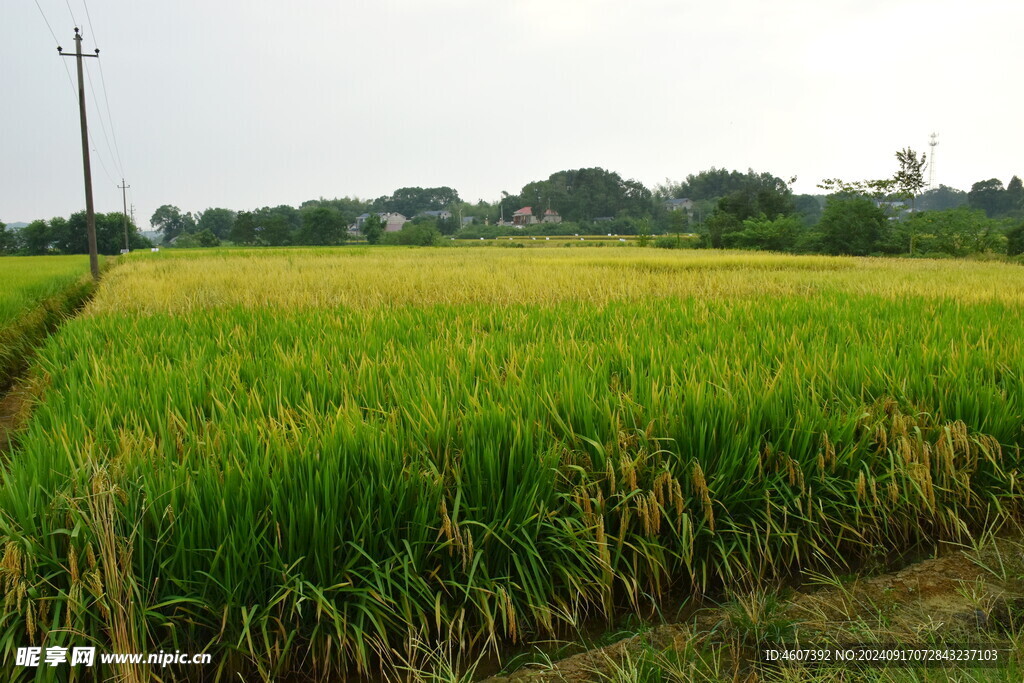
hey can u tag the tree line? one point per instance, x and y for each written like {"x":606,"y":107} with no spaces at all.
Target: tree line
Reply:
{"x":727,"y":209}
{"x":68,"y":236}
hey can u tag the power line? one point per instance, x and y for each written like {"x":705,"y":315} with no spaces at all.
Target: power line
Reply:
{"x":110,"y":118}
{"x":55,"y":41}
{"x":106,"y":171}
{"x":71,"y":13}
{"x":103,"y":86}
{"x":99,"y":116}
{"x":71,"y":81}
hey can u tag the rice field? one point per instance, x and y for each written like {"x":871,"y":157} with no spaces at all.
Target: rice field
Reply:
{"x":322,"y":461}
{"x":35,"y":292}
{"x":29,"y":280}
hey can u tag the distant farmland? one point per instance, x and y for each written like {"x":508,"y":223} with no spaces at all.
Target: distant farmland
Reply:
{"x":306,"y":460}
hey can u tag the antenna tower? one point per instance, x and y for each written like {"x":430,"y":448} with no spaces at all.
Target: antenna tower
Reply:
{"x":933,"y":143}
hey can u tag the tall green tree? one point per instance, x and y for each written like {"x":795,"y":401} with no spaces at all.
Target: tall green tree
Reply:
{"x":322,"y":225}
{"x":243,"y":231}
{"x":73,"y":238}
{"x":989,"y":196}
{"x":274,"y":230}
{"x":909,"y":178}
{"x":170,"y":222}
{"x":1015,"y":196}
{"x":35,"y":238}
{"x":217,"y":221}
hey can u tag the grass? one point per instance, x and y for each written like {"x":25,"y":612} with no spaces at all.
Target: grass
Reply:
{"x":313,"y":460}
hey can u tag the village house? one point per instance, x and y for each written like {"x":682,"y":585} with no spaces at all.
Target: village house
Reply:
{"x":679,"y":205}
{"x":438,"y":215}
{"x":524,"y":216}
{"x":393,"y":222}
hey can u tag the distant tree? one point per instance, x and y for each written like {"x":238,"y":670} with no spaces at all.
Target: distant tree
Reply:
{"x":201,"y":239}
{"x":348,"y":208}
{"x":941,"y":198}
{"x":1015,"y":196}
{"x":418,"y":234}
{"x":373,"y":228}
{"x":758,"y":194}
{"x":989,"y":196}
{"x":643,"y":232}
{"x":206,"y":238}
{"x":852,"y":225}
{"x":273,"y":230}
{"x":289,"y":214}
{"x":708,"y":185}
{"x":909,"y":178}
{"x":410,"y":201}
{"x":322,"y":225}
{"x":809,"y":207}
{"x":957,"y":232}
{"x":171,"y":222}
{"x":1015,"y":241}
{"x":8,"y":240}
{"x":217,"y":221}
{"x":447,"y":226}
{"x":878,"y":190}
{"x":719,"y":225}
{"x":679,"y":223}
{"x":35,"y":238}
{"x":778,"y":234}
{"x":244,"y":229}
{"x":71,"y":235}
{"x":507,"y":205}
{"x":582,"y":195}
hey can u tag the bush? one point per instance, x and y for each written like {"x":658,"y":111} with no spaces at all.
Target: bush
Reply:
{"x":204,"y":238}
{"x":781,"y":234}
{"x":418,"y":235}
{"x":853,"y":226}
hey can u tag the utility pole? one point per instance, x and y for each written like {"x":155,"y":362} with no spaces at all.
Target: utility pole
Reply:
{"x":90,"y":213}
{"x":124,"y":202}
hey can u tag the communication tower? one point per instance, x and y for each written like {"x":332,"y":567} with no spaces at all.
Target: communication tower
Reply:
{"x":933,"y":143}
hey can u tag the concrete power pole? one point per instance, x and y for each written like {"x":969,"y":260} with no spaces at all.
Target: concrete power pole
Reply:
{"x":124,"y":202}
{"x":90,"y":213}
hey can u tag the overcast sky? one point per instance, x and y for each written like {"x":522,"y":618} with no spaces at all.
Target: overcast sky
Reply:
{"x":248,"y":104}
